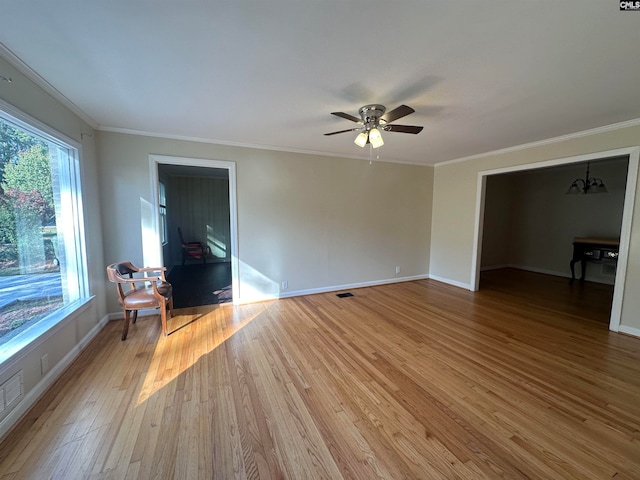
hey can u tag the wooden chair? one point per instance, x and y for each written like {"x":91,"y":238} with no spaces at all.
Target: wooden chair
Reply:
{"x":158,"y":294}
{"x":197,"y":250}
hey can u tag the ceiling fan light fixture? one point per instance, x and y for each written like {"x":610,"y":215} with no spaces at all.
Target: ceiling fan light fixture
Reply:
{"x":361,"y":139}
{"x":375,"y":138}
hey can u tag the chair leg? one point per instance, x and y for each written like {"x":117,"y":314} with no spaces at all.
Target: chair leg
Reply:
{"x":125,"y":328}
{"x":135,"y":316}
{"x":163,"y":318}
{"x":171,"y":306}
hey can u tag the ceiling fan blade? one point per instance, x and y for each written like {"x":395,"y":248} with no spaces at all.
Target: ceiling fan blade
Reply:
{"x":403,"y":128}
{"x":396,"y":113}
{"x":342,"y":131}
{"x":347,"y":116}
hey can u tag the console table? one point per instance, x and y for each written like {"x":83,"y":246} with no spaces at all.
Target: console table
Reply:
{"x":590,"y":248}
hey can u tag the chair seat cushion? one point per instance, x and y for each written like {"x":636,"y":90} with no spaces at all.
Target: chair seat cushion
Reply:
{"x":144,"y":298}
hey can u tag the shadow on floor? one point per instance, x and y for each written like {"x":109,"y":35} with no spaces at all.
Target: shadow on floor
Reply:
{"x":201,"y":284}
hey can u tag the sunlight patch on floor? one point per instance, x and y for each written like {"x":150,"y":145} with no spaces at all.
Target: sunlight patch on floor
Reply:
{"x":171,"y":358}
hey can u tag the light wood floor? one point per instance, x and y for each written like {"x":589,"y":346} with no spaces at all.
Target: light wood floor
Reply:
{"x":411,"y":380}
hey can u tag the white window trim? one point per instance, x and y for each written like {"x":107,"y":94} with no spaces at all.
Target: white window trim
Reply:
{"x":164,"y":233}
{"x":27,"y":341}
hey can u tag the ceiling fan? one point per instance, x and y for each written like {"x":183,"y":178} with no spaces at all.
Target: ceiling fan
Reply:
{"x":373,"y":119}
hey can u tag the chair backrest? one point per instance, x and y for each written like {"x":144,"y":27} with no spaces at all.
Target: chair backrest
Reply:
{"x":116,"y":273}
{"x":180,"y":235}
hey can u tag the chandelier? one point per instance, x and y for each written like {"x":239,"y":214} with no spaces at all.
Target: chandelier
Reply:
{"x":587,"y":185}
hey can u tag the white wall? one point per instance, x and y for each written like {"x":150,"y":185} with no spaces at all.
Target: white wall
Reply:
{"x":541,"y":220}
{"x":316,"y":222}
{"x":498,"y":214}
{"x":454,"y":206}
{"x":62,"y":344}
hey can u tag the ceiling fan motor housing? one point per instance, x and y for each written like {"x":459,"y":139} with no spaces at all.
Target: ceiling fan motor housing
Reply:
{"x":371,"y":114}
{"x":371,"y":117}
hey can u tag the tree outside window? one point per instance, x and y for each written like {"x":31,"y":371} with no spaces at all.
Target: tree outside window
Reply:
{"x":40,"y":238}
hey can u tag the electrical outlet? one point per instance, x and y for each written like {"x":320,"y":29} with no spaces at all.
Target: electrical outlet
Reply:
{"x":44,"y":363}
{"x":285,"y":285}
{"x":397,"y":268}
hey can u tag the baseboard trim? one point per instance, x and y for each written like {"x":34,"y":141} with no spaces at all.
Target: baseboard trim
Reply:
{"x":494,"y":267}
{"x":146,"y":312}
{"x":558,"y":274}
{"x":455,"y":283}
{"x":41,"y":387}
{"x":635,"y":332}
{"x":543,"y":271}
{"x":335,"y":288}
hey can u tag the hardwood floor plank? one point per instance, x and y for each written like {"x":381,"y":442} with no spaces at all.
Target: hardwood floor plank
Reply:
{"x":414,"y":380}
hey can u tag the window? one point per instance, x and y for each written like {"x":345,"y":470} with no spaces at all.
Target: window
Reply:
{"x":162,"y":202}
{"x":42,"y":255}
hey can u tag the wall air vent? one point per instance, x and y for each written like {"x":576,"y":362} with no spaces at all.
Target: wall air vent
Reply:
{"x":11,"y":393}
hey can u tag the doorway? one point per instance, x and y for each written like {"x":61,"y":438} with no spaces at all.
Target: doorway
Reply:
{"x":201,"y":201}
{"x":631,"y":154}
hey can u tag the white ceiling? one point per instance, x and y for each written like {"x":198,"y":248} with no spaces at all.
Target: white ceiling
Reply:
{"x":481,"y":75}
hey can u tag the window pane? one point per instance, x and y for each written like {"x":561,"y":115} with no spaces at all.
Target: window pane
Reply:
{"x":162,"y":201}
{"x":39,"y":248}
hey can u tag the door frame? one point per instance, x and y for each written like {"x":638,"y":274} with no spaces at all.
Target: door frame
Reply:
{"x":155,"y":160}
{"x":625,"y":231}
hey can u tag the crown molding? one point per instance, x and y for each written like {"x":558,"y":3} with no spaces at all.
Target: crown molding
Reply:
{"x":36,"y":78}
{"x":571,"y":136}
{"x":255,"y":146}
